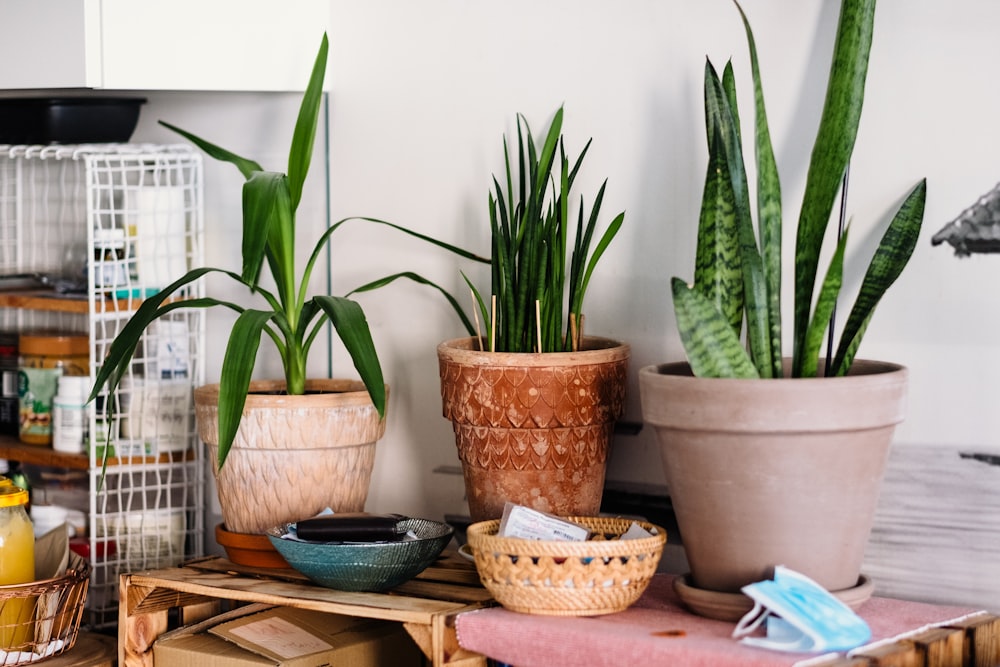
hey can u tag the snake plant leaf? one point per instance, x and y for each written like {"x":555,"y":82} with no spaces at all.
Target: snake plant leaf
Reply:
{"x":891,"y":257}
{"x":417,"y":278}
{"x":719,"y":106}
{"x":602,"y":245}
{"x":247,"y":167}
{"x":352,"y":328}
{"x":768,"y":203}
{"x":713,"y":349}
{"x":825,"y":305}
{"x":831,"y":153}
{"x":234,"y":380}
{"x":717,"y":274}
{"x":304,"y":135}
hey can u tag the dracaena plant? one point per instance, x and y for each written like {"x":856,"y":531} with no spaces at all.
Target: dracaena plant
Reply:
{"x":536,"y":302}
{"x":738,"y":272}
{"x":292,"y":318}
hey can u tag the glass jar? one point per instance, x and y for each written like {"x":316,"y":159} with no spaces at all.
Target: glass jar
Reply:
{"x":17,"y":566}
{"x":8,"y":383}
{"x":45,"y":356}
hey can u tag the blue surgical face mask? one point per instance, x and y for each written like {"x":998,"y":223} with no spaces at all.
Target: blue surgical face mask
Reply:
{"x":800,"y":616}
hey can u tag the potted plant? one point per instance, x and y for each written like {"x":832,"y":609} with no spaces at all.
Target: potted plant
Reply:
{"x":772,"y":460}
{"x":281,"y":449}
{"x":533,"y":400}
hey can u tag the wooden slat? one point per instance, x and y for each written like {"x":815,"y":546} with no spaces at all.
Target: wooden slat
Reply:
{"x":899,"y":654}
{"x":14,"y":450}
{"x":982,"y":640}
{"x":940,"y":647}
{"x":306,"y":596}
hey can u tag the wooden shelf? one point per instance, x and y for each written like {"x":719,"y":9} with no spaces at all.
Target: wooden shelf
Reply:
{"x":49,"y":301}
{"x":15,"y":450}
{"x":426,"y":605}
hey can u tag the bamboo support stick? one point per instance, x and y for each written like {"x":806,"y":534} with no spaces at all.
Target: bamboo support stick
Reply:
{"x":493,"y":323}
{"x":538,"y":323}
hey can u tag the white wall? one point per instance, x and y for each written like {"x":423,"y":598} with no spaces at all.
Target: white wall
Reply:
{"x":422,"y":93}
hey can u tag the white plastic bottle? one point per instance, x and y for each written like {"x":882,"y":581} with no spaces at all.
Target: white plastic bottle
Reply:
{"x":69,"y":414}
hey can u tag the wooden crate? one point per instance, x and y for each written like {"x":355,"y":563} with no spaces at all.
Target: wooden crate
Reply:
{"x":426,"y":605}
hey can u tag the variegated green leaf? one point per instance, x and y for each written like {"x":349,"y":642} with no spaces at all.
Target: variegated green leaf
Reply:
{"x":713,"y":350}
{"x":891,"y":257}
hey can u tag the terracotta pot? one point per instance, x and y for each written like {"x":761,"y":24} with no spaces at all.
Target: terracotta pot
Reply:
{"x":774,"y":472}
{"x":533,"y":429}
{"x":293,"y":456}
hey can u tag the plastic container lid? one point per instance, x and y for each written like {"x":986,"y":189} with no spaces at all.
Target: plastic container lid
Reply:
{"x":109,"y":237}
{"x":54,"y":343}
{"x":74,"y":386}
{"x":11,"y":496}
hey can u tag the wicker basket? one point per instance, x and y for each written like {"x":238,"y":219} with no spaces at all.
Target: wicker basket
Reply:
{"x":41,"y":619}
{"x":602,"y":575}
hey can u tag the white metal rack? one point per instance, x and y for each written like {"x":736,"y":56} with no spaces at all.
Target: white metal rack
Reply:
{"x":90,"y":231}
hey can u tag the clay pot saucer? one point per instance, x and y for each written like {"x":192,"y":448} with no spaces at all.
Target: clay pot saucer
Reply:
{"x":249,"y":549}
{"x":733,"y":606}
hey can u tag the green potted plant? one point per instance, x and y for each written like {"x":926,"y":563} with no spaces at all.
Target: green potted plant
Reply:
{"x":533,"y":400}
{"x":772,"y":459}
{"x":320,"y":451}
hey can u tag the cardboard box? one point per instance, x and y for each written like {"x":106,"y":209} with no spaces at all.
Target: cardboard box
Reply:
{"x":287,"y":637}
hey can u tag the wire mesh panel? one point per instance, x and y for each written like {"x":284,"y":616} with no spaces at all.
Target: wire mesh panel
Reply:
{"x":92,"y":231}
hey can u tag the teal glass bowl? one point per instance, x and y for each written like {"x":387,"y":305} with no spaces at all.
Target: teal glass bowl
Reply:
{"x":365,"y":566}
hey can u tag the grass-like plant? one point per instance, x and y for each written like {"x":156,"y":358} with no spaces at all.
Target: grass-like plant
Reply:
{"x":735,"y":278}
{"x":292,"y":319}
{"x":537,"y":295}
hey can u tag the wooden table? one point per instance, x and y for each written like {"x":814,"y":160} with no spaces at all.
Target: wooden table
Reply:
{"x":426,"y":606}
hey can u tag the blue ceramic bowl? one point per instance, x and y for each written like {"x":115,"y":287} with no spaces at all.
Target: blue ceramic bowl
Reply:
{"x":366,"y":566}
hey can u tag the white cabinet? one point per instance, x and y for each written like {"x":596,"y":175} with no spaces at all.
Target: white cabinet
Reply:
{"x":234,"y":45}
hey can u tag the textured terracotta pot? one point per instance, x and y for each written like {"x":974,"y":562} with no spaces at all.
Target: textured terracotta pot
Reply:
{"x":533,"y":429}
{"x":293,"y":456}
{"x":774,"y":472}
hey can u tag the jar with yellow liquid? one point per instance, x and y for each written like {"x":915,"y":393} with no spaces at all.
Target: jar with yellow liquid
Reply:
{"x":17,"y":566}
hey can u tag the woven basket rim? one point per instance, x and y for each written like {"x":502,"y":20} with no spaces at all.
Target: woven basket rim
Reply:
{"x":485,"y":532}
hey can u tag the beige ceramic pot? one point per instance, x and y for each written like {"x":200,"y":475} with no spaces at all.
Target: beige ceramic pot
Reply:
{"x":293,"y":456}
{"x":533,"y":429}
{"x":774,"y":472}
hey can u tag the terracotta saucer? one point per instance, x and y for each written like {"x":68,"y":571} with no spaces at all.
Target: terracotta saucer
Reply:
{"x":249,"y":549}
{"x":733,"y":606}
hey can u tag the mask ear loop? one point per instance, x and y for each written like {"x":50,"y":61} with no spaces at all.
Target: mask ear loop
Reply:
{"x":751,"y":620}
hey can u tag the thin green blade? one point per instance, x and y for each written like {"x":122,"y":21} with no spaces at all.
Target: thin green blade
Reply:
{"x":825,"y":305}
{"x":300,"y":152}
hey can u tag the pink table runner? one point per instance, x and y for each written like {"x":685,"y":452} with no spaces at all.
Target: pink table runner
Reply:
{"x":658,"y":630}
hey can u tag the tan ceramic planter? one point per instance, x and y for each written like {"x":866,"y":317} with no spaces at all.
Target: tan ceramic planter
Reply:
{"x":293,"y":455}
{"x":533,"y":429}
{"x":774,"y":472}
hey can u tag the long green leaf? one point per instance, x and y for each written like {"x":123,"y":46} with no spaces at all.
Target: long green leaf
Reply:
{"x":891,"y":257}
{"x":246,"y":167}
{"x":417,"y":278}
{"x":237,"y":368}
{"x":300,"y":152}
{"x":825,"y":305}
{"x":713,"y":350}
{"x":831,"y":153}
{"x":349,"y":320}
{"x":754,"y":284}
{"x":768,"y":205}
{"x":717,"y":274}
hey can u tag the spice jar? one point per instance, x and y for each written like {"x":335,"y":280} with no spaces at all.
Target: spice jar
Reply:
{"x":45,"y":356}
{"x":17,"y":566}
{"x":110,"y":267}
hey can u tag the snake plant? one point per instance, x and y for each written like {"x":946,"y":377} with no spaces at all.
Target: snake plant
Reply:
{"x":537,"y":298}
{"x":735,"y":278}
{"x":292,"y":319}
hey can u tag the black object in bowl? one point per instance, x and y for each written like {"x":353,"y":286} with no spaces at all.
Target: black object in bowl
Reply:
{"x":68,"y":120}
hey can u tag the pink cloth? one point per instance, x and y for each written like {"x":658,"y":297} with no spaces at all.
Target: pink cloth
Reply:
{"x":658,"y":630}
